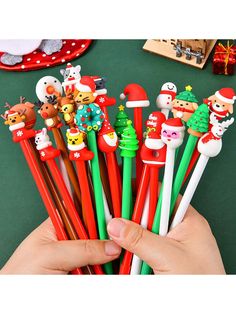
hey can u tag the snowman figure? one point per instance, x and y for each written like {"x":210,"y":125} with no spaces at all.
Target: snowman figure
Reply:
{"x":165,"y":98}
{"x":48,"y":86}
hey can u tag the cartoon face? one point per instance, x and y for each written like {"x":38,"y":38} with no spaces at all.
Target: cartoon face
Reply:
{"x":42,"y":137}
{"x":74,"y":139}
{"x":71,"y":73}
{"x":48,"y":111}
{"x":29,"y":113}
{"x":220,"y":106}
{"x":217,"y":130}
{"x":171,"y":138}
{"x":48,"y":86}
{"x":67,"y":108}
{"x":14,"y":119}
{"x":84,"y":98}
{"x":100,"y":83}
{"x":169,"y":86}
{"x":183,"y":109}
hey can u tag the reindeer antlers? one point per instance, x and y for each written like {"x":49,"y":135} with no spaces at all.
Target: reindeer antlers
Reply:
{"x":7,"y":105}
{"x":52,"y":99}
{"x":39,"y":103}
{"x":3,"y":116}
{"x":227,"y":123}
{"x":22,"y":99}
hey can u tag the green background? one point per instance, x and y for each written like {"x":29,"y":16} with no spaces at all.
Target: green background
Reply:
{"x":122,"y":62}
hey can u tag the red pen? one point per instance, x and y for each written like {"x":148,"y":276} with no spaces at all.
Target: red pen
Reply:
{"x":21,"y":135}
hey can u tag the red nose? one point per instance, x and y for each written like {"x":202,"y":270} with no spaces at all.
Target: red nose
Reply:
{"x":44,"y":115}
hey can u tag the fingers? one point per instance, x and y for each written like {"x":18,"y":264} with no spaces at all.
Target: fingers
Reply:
{"x":192,"y":226}
{"x":68,"y":255}
{"x":153,"y":249}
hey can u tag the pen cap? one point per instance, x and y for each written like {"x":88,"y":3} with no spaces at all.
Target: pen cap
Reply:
{"x":210,"y":144}
{"x":172,"y":132}
{"x":166,"y":96}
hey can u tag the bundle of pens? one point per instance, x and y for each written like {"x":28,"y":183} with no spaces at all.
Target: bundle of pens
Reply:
{"x":82,"y":184}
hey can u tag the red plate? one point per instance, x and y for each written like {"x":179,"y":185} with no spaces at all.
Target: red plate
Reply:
{"x":71,"y":49}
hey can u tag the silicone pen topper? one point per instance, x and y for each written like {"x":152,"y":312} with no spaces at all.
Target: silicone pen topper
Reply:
{"x":137,"y":99}
{"x":107,"y":138}
{"x":49,"y":112}
{"x":184,"y":104}
{"x":100,"y":83}
{"x":44,"y":146}
{"x":71,"y":77}
{"x":15,"y":121}
{"x":165,"y":97}
{"x":48,"y":86}
{"x":172,"y":133}
{"x":128,"y":142}
{"x":102,"y":99}
{"x":66,"y":106}
{"x":210,"y":144}
{"x":154,"y":150}
{"x":221,"y":103}
{"x":29,"y":112}
{"x":76,"y":145}
{"x":199,"y":121}
{"x":121,"y":121}
{"x":89,"y":115}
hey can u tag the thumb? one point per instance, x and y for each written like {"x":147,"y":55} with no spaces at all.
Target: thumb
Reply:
{"x":68,"y":255}
{"x":151,"y":248}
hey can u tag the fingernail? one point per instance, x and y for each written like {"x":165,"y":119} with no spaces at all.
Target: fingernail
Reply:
{"x":111,"y":248}
{"x":115,"y":227}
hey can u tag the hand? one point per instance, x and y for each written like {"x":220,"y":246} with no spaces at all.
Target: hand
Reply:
{"x":190,"y":248}
{"x":42,"y":253}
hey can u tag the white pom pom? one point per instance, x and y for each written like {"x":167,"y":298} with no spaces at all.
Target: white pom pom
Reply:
{"x":122,"y":96}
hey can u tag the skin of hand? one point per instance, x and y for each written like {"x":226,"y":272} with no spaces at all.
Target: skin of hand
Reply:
{"x":42,"y":253}
{"x":189,"y":248}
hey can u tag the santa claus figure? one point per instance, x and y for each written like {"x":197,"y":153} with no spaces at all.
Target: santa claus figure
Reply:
{"x":44,"y":146}
{"x":153,"y":150}
{"x":165,"y":97}
{"x":107,"y":138}
{"x":172,"y":132}
{"x":221,"y":103}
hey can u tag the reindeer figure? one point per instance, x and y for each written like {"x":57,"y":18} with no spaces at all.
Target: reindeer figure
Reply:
{"x":29,"y":112}
{"x":16,"y":123}
{"x":210,"y":144}
{"x":66,"y":105}
{"x":49,"y":112}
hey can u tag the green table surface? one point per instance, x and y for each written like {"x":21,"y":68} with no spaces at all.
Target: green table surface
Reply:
{"x":122,"y":62}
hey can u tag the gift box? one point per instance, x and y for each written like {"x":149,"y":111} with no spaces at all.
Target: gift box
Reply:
{"x":224,"y":59}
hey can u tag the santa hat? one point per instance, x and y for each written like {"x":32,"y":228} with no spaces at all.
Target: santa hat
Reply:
{"x":173,"y":124}
{"x":155,"y":119}
{"x":10,"y":113}
{"x":68,"y":66}
{"x":106,"y":128}
{"x":137,"y":96}
{"x":226,"y":94}
{"x":86,"y":84}
{"x":73,"y":132}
